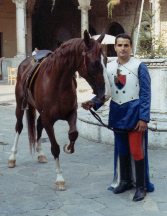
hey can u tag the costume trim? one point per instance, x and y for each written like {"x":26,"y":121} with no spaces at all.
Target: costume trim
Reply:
{"x":117,"y":176}
{"x":125,"y":86}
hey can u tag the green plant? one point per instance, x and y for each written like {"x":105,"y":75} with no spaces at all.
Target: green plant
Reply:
{"x":110,"y":6}
{"x":149,"y":45}
{"x":53,"y":4}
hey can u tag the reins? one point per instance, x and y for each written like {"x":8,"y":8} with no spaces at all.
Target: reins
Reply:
{"x":84,"y":59}
{"x":107,"y":126}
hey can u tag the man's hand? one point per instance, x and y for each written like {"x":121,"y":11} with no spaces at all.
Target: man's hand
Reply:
{"x":88,"y":104}
{"x":142,"y":125}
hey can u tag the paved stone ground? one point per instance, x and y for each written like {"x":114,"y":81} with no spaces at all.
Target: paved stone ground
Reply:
{"x":29,"y":188}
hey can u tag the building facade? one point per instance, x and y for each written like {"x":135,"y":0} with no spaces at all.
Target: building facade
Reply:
{"x":25,"y":24}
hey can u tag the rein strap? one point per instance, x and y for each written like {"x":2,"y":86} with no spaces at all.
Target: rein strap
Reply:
{"x":107,"y":126}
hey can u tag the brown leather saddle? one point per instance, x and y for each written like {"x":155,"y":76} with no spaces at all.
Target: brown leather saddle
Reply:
{"x":27,"y":86}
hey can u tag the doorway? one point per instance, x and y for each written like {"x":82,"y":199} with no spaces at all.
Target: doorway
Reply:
{"x":114,"y":30}
{"x":0,"y":44}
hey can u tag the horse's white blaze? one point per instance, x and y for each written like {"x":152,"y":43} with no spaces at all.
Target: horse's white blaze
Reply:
{"x":59,"y":172}
{"x":107,"y":84}
{"x":39,"y":147}
{"x":14,"y":148}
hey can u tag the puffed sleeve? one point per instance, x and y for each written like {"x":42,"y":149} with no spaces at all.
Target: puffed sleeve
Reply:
{"x":98,"y":104}
{"x":145,"y":92}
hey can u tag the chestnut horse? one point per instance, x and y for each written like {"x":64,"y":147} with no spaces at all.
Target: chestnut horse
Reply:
{"x":54,"y":93}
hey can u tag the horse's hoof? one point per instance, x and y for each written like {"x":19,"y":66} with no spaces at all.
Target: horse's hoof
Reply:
{"x":65,"y":148}
{"x":11,"y":163}
{"x":42,"y":159}
{"x":60,"y":186}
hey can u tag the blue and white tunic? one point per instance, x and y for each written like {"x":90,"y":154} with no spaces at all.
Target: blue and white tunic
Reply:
{"x":130,"y":102}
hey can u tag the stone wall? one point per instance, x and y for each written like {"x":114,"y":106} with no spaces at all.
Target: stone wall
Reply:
{"x":8,"y":28}
{"x":90,"y":128}
{"x":163,"y":18}
{"x":9,"y":62}
{"x":123,"y":14}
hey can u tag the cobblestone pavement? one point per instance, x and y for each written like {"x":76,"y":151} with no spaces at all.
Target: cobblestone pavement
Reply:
{"x":29,"y":188}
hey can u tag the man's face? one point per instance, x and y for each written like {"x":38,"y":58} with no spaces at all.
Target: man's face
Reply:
{"x":123,"y":48}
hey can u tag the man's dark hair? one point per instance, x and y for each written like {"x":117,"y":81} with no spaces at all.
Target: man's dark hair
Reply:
{"x":125,"y":36}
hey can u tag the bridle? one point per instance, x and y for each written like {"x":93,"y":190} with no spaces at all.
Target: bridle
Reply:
{"x":84,"y":60}
{"x":84,"y":54}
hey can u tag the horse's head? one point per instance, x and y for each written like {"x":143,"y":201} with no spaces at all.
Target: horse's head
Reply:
{"x":94,"y":68}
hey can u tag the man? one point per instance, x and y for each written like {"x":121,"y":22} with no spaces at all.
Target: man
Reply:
{"x":129,"y":114}
{"x":35,"y":51}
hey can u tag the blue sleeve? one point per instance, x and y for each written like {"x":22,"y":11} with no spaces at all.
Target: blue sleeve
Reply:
{"x":145,"y":92}
{"x":97,"y":105}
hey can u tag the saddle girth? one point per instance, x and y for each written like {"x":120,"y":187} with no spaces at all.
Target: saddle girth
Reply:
{"x":39,"y":58}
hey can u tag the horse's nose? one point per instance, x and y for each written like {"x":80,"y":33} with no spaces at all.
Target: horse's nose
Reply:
{"x":102,"y":99}
{"x":105,"y":98}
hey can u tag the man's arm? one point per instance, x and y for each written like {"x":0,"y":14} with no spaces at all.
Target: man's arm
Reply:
{"x":145,"y":93}
{"x":88,"y":104}
{"x":95,"y":103}
{"x":141,"y":125}
{"x":144,"y":97}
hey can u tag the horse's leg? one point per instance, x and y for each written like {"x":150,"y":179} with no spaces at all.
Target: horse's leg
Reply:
{"x":60,"y":183}
{"x":73,"y":133}
{"x":55,"y":149}
{"x":18,"y":128}
{"x":41,"y":156}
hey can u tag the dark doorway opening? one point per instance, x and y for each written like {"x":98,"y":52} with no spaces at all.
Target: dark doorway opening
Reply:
{"x":54,"y":22}
{"x":92,"y":31}
{"x":0,"y":44}
{"x":42,"y":25}
{"x":0,"y":55}
{"x":114,"y":30}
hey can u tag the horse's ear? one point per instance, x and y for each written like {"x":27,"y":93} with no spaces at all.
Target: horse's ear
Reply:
{"x":87,"y":39}
{"x":101,"y":36}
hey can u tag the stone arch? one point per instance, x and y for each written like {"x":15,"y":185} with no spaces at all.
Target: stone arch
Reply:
{"x":92,"y":31}
{"x":42,"y":22}
{"x":115,"y":29}
{"x":49,"y":20}
{"x":66,"y":15}
{"x":62,"y":35}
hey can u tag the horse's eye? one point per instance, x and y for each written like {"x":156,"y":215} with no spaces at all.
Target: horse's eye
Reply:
{"x":96,"y":64}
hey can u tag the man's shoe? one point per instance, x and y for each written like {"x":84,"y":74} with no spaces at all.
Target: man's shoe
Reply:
{"x":140,"y":194}
{"x":122,"y":187}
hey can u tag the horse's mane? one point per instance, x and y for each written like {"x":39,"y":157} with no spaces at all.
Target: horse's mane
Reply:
{"x":64,"y":55}
{"x":69,"y":45}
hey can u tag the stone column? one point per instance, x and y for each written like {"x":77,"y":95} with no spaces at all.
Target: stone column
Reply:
{"x":29,"y":32}
{"x":20,"y":28}
{"x":156,"y":19}
{"x":84,"y":18}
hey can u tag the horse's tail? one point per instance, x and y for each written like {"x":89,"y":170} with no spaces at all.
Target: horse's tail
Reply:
{"x":31,"y":117}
